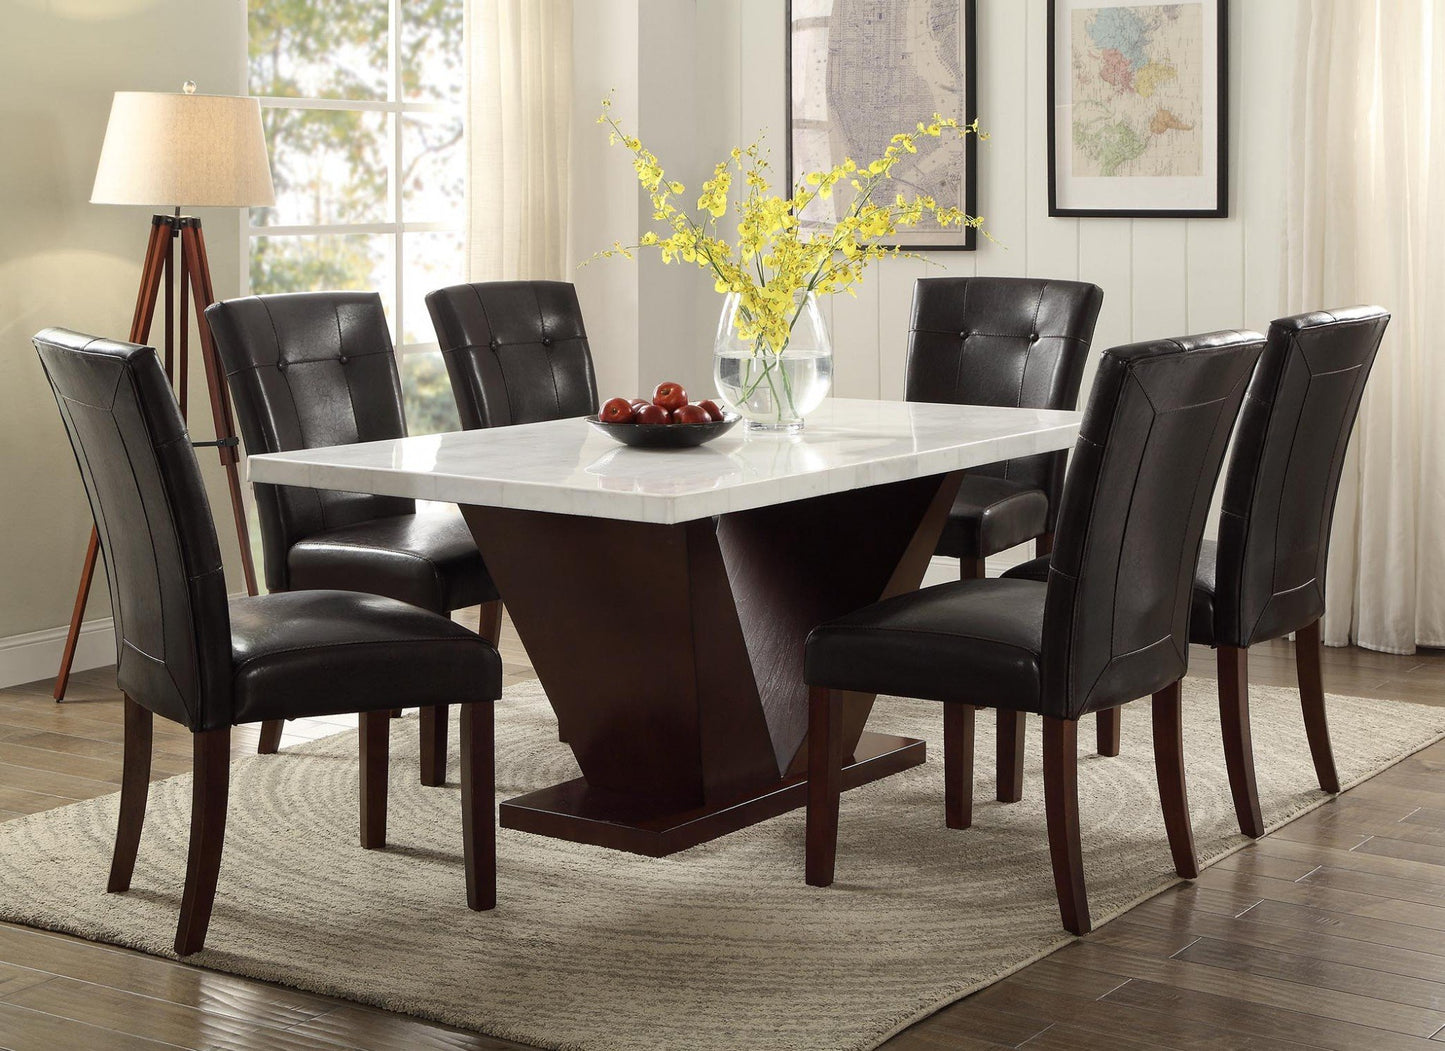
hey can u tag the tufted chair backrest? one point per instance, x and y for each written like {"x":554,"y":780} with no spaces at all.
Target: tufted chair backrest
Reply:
{"x":307,"y":370}
{"x":516,"y":351}
{"x":1018,"y":342}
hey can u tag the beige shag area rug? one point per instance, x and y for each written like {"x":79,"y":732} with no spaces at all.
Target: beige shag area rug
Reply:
{"x":720,"y":947}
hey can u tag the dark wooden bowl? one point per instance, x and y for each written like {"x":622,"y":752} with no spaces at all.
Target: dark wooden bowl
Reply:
{"x":665,"y":435}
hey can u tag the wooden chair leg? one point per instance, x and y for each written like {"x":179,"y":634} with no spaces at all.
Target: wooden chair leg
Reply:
{"x":825,"y":782}
{"x":135,"y":783}
{"x":210,"y":786}
{"x":1009,"y":755}
{"x":1312,"y":697}
{"x":479,"y":829}
{"x":1169,"y":766}
{"x":1110,"y":721}
{"x":1233,"y":662}
{"x":1043,"y":545}
{"x":490,"y":627}
{"x":958,"y":765}
{"x":1061,"y":807}
{"x":972,"y":568}
{"x":270,"y":737}
{"x":434,"y":745}
{"x":375,"y":731}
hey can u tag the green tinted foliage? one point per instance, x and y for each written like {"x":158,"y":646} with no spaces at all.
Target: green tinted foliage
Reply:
{"x":430,"y":407}
{"x":310,"y":264}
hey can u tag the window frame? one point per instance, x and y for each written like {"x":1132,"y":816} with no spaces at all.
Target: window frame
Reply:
{"x":398,"y":228}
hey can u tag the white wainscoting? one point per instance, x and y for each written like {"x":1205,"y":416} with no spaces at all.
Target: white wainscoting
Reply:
{"x":36,"y":655}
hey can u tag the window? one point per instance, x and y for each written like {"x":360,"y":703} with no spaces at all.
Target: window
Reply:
{"x":362,"y":103}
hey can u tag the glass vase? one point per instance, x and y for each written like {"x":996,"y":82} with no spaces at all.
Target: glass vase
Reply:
{"x":774,"y":389}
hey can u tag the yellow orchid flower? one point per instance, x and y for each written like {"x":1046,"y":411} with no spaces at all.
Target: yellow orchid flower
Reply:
{"x":776,"y":256}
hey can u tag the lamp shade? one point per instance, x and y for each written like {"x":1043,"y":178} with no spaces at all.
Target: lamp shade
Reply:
{"x":183,"y":149}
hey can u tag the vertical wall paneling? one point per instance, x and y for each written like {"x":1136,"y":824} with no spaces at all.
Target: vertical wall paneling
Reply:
{"x":1160,"y":277}
{"x":855,"y":341}
{"x":893,"y":284}
{"x":1266,"y":53}
{"x":1106,"y":258}
{"x":1216,"y":246}
{"x":1052,"y":245}
{"x":1003,"y":110}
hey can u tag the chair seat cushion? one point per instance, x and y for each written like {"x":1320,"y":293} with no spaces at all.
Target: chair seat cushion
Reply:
{"x":972,"y":641}
{"x":302,"y":653}
{"x":1033,"y":569}
{"x":1201,"y":608}
{"x":990,"y":515}
{"x":428,"y":559}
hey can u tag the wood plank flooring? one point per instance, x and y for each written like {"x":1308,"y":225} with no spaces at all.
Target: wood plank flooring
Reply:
{"x":1330,"y":933}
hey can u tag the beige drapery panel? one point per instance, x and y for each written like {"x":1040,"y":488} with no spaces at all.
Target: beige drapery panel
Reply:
{"x":519,"y":73}
{"x":1367,"y":225}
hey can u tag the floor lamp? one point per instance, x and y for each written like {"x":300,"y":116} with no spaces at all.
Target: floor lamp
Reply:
{"x":172,"y":149}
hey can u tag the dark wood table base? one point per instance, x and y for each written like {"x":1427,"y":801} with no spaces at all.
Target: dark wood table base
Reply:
{"x":576,"y":811}
{"x":673,"y":654}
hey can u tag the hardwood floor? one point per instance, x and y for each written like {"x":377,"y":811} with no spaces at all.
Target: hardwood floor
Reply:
{"x":1329,"y":933}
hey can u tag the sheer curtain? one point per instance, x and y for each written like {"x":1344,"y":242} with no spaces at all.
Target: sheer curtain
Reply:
{"x":519,"y":74}
{"x":1367,"y":225}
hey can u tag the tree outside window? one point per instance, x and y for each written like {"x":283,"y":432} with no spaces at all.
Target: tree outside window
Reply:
{"x":362,"y":103}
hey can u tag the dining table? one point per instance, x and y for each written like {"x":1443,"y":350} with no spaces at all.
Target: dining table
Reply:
{"x":664,"y":596}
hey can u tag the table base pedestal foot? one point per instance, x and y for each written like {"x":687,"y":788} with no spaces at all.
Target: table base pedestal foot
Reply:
{"x":578,"y":812}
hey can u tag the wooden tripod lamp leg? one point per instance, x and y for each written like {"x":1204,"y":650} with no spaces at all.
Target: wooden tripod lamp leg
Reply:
{"x":194,"y":262}
{"x":82,"y":596}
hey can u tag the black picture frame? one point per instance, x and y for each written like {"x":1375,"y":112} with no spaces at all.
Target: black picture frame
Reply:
{"x":967,"y":237}
{"x":1220,"y":207}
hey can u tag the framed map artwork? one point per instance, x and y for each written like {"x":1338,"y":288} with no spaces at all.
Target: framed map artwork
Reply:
{"x":1138,"y":108}
{"x":859,"y":71}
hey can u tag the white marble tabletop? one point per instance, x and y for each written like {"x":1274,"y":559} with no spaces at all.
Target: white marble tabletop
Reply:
{"x":569,"y":467}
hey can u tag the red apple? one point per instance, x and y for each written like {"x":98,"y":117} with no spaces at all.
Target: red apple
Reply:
{"x":669,"y":396}
{"x":709,"y":406}
{"x":618,"y":410}
{"x":638,"y":404}
{"x":690,"y":414}
{"x":651,"y":414}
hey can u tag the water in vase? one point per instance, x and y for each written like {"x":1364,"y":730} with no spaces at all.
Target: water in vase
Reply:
{"x":773,"y":393}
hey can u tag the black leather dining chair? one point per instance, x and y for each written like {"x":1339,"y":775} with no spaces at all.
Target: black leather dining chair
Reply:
{"x":516,"y":351}
{"x":1110,"y":625}
{"x":1019,"y":342}
{"x":1265,"y":575}
{"x":312,"y":369}
{"x":186,"y":653}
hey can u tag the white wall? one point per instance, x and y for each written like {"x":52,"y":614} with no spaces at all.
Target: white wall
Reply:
{"x":1160,"y":277}
{"x":604,"y":199}
{"x":64,"y":261}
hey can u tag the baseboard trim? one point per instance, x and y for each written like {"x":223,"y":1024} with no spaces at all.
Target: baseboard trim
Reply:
{"x":35,"y":656}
